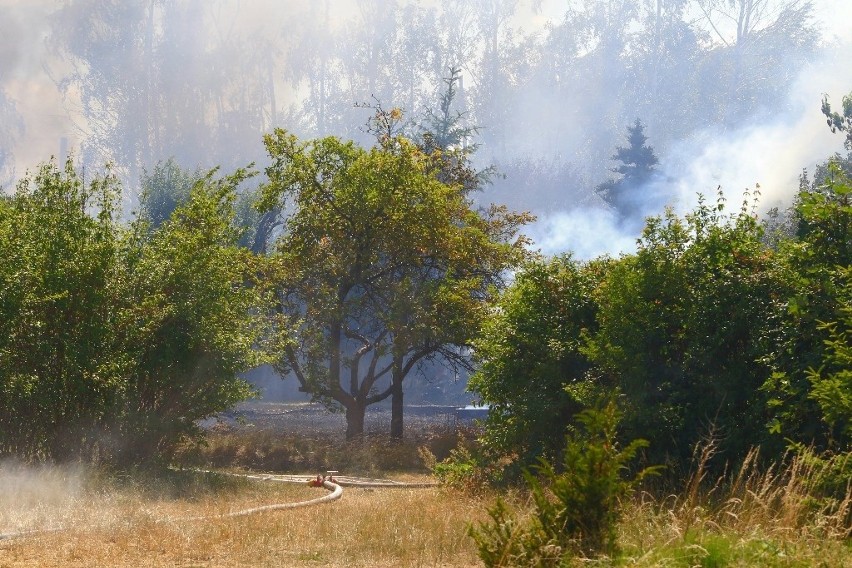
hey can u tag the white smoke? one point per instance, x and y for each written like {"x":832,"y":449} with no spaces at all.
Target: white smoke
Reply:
{"x":587,"y":233}
{"x":38,"y":496}
{"x":767,"y":154}
{"x":772,"y":151}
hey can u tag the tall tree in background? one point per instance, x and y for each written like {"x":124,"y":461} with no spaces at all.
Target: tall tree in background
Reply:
{"x":156,"y":79}
{"x":667,"y":50}
{"x":11,"y":129}
{"x":636,"y":170}
{"x":444,"y":135}
{"x":105,"y":40}
{"x":758,"y":48}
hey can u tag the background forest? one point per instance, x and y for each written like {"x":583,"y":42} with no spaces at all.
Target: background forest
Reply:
{"x":551,"y":83}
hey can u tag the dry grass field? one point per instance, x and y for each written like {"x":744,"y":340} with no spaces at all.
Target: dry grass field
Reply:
{"x":124,"y":523}
{"x":108,"y":523}
{"x":87,"y":518}
{"x":142,"y":521}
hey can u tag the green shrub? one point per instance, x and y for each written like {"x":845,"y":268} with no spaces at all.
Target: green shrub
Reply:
{"x":576,"y":511}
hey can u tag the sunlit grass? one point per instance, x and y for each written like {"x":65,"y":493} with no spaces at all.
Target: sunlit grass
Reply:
{"x":758,"y":516}
{"x":113,"y":522}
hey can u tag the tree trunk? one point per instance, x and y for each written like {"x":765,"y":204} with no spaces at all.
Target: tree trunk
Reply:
{"x":355,"y":420}
{"x":396,"y":426}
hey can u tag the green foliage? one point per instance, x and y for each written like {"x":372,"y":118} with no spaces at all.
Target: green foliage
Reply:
{"x":831,"y":384}
{"x":448,"y":141}
{"x":683,"y":328}
{"x":382,"y":266}
{"x":114,"y":342}
{"x":188,"y":328}
{"x":829,"y":479}
{"x":809,"y":385}
{"x":163,"y":190}
{"x":532,"y":372}
{"x":576,"y":511}
{"x":841,"y":121}
{"x":58,"y":293}
{"x":463,"y":469}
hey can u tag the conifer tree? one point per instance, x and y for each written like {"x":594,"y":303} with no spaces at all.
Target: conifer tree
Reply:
{"x":636,"y":169}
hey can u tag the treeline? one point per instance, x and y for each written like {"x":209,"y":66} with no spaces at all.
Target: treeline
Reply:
{"x":347,"y":268}
{"x":201,"y":79}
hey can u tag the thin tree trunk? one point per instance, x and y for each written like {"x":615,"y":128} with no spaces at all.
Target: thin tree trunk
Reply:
{"x":397,"y":428}
{"x":355,"y":420}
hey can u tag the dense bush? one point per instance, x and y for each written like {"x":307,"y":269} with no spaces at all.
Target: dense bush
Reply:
{"x":115,"y":339}
{"x":532,"y":372}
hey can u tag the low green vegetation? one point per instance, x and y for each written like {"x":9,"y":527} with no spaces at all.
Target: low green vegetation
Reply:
{"x":575,"y":511}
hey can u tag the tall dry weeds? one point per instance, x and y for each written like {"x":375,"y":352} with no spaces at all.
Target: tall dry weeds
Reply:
{"x":779,"y":506}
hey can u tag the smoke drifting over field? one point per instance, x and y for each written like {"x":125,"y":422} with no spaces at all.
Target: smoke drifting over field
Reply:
{"x":552,"y":83}
{"x":37,"y":497}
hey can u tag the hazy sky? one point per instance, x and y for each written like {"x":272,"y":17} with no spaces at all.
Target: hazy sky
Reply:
{"x":25,"y":62}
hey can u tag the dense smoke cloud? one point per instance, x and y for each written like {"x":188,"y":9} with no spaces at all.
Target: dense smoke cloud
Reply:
{"x":553,"y":84}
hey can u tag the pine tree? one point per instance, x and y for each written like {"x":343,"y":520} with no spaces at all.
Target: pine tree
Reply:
{"x":636,"y":169}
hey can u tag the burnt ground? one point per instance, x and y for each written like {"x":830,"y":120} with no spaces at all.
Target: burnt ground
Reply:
{"x":294,"y":437}
{"x":310,"y":417}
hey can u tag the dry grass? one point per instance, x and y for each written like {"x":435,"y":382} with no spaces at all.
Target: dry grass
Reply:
{"x":759,"y":516}
{"x":271,"y":449}
{"x":125,"y":524}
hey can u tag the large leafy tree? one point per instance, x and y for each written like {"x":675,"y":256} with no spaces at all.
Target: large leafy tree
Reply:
{"x":685,"y":324}
{"x":190,"y":321}
{"x":383,"y":267}
{"x":58,"y":294}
